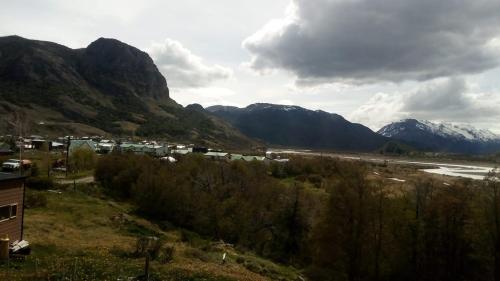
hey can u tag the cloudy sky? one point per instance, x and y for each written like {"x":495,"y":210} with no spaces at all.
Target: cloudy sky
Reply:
{"x":373,"y":61}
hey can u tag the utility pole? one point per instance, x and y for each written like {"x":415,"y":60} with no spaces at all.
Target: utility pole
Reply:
{"x":21,"y":145}
{"x":67,"y":154}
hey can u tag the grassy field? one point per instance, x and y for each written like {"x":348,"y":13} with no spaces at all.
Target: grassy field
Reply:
{"x":83,"y":235}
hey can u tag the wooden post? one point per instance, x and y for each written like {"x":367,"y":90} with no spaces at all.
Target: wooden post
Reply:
{"x":74,"y":271}
{"x":146,"y":267}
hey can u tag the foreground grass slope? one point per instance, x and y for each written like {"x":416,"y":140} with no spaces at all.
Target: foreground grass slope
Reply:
{"x":82,"y":235}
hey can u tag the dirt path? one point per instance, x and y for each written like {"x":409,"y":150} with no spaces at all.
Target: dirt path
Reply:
{"x":89,"y":179}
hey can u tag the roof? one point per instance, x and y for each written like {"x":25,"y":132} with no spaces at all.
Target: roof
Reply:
{"x":75,"y":144}
{"x":181,"y":151}
{"x":106,"y":144}
{"x":216,"y":154}
{"x":252,"y":158}
{"x":247,"y":157}
{"x":236,"y":156}
{"x":8,"y":176}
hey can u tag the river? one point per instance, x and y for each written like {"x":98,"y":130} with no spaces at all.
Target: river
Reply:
{"x":477,"y":172}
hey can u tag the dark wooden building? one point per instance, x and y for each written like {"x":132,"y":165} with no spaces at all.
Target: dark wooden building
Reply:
{"x":11,"y":206}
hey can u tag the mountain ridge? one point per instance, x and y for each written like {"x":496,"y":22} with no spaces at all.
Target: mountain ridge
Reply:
{"x":109,"y":87}
{"x":295,"y":126}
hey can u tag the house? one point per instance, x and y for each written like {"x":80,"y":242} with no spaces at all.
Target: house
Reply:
{"x":221,"y":156}
{"x":250,"y":158}
{"x":181,"y":150}
{"x":5,"y":149}
{"x":156,"y":150}
{"x":54,"y":145}
{"x":130,"y":147}
{"x":247,"y":158}
{"x":148,"y":149}
{"x":11,"y":206}
{"x":38,"y":143}
{"x":82,"y":144}
{"x":105,"y":147}
{"x":235,"y":157}
{"x":199,"y":149}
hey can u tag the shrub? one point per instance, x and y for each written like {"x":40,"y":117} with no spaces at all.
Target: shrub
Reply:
{"x":253,"y":267}
{"x":35,"y":200}
{"x":149,"y":245}
{"x":39,"y":183}
{"x":197,"y":254}
{"x":83,"y":159}
{"x":167,"y":254}
{"x":316,"y":180}
{"x":35,"y":171}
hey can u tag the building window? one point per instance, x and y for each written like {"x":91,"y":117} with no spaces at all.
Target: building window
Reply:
{"x":13,"y":211}
{"x":4,"y":213}
{"x":8,"y":212}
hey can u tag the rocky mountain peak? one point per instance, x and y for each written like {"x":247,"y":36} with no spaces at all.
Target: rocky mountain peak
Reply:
{"x":123,"y":69}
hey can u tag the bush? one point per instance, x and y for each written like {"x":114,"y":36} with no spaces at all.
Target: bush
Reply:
{"x":316,"y":180}
{"x":197,"y":254}
{"x":40,"y":183}
{"x":83,"y":159}
{"x":192,"y":238}
{"x":167,"y":254}
{"x":35,"y":171}
{"x":253,"y":267}
{"x":149,"y":245}
{"x":35,"y":200}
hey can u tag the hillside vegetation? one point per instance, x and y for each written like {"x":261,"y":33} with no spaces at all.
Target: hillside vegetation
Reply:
{"x":335,"y":220}
{"x":83,"y":235}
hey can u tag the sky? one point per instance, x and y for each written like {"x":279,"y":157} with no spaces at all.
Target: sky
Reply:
{"x":372,"y":61}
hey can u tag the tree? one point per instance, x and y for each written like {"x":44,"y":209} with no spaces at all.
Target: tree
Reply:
{"x":340,"y":238}
{"x":82,"y":159}
{"x":491,"y":201}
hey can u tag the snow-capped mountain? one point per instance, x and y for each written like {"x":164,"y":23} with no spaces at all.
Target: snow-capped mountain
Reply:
{"x":458,"y":138}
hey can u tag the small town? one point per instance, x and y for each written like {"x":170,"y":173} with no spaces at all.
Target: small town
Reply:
{"x":68,"y":145}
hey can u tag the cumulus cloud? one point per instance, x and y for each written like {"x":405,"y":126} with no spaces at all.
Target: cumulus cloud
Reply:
{"x":182,"y":68}
{"x":379,"y":110}
{"x":450,"y":100}
{"x":205,"y":96}
{"x":366,"y":41}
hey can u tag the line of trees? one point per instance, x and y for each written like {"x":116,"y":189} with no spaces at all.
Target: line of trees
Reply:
{"x":350,"y":228}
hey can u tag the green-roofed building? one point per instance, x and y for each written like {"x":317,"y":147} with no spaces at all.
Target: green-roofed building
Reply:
{"x":82,"y":144}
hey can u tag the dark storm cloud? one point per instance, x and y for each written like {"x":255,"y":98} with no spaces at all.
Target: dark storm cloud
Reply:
{"x":445,"y":99}
{"x":380,"y":40}
{"x":451,"y":99}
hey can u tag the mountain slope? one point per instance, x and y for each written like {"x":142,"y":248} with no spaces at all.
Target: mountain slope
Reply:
{"x":298,"y":127}
{"x":442,"y":137}
{"x":107,"y":88}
